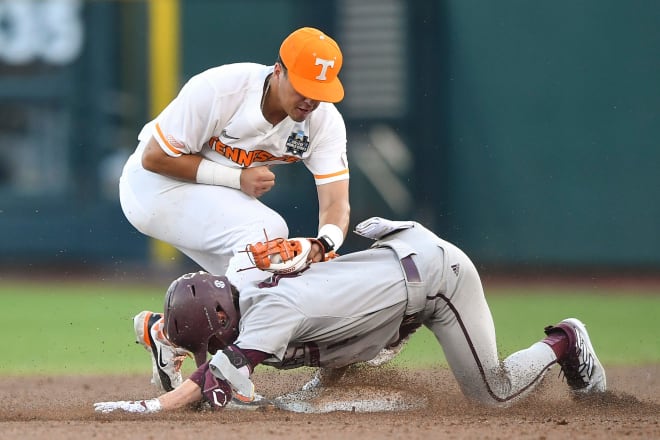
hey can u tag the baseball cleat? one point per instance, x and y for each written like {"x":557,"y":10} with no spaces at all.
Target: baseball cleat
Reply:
{"x":166,"y":360}
{"x":325,"y":377}
{"x":388,"y":354}
{"x":583,"y":371}
{"x":259,"y":402}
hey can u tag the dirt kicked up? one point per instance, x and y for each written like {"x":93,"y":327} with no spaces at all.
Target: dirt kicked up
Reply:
{"x":55,"y":408}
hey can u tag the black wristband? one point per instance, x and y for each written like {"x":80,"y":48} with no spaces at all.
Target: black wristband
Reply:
{"x":237,"y":357}
{"x":327,"y":244}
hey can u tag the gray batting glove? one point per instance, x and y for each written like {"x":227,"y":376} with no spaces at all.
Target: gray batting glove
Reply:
{"x":130,"y":406}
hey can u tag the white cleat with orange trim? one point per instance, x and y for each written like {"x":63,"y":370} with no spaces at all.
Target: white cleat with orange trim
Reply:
{"x":166,"y":360}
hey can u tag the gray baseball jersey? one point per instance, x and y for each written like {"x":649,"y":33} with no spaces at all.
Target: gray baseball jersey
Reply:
{"x":346,"y":310}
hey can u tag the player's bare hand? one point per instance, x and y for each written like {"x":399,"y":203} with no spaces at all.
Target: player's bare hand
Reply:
{"x":317,"y":253}
{"x":257,"y":181}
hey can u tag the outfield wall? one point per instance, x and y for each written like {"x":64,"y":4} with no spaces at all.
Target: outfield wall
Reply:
{"x":527,"y":133}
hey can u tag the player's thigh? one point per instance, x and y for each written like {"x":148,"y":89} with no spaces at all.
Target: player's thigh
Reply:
{"x":220,"y":220}
{"x":213,"y":263}
{"x":463,"y":324}
{"x":198,"y":217}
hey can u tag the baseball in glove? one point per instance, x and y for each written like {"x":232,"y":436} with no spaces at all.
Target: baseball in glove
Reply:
{"x":281,"y":256}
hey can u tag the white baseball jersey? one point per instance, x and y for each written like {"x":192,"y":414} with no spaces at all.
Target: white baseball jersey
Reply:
{"x":218,"y":115}
{"x":347,"y":309}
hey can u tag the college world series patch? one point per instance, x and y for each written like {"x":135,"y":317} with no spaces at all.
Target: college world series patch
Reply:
{"x":297,"y":143}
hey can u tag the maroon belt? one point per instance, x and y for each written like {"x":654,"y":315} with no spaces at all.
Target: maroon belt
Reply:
{"x":410,"y":269}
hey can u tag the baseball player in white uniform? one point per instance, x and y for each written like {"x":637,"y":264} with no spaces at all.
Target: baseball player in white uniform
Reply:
{"x":346,"y":310}
{"x":202,"y":163}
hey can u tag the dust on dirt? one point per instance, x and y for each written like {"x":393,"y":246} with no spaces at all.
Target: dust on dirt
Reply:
{"x":57,"y":408}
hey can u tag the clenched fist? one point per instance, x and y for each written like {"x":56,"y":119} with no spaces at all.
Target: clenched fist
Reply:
{"x":257,"y":181}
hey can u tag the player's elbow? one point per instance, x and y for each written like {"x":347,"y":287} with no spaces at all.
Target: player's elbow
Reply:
{"x":152,"y":157}
{"x":149,"y":164}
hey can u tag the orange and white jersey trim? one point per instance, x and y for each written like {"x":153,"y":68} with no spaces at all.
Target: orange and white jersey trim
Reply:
{"x":217,"y":114}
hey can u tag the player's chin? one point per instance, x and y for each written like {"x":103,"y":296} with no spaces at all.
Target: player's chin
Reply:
{"x":300,"y":115}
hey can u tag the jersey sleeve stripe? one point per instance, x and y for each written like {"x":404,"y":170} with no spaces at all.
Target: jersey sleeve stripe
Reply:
{"x":327,"y":176}
{"x":166,"y":142}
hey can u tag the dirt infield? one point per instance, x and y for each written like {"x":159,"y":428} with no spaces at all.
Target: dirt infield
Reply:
{"x":61,"y":408}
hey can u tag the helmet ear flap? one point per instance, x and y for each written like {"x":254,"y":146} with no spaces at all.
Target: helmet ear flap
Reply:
{"x":215,"y":344}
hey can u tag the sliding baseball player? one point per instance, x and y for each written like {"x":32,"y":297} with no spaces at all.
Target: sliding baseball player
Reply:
{"x":345,"y":311}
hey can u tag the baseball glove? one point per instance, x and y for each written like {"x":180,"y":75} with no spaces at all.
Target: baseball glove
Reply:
{"x":281,"y":256}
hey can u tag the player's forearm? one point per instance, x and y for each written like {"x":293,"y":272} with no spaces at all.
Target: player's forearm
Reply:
{"x":183,"y":167}
{"x":185,"y":394}
{"x":333,"y":224}
{"x":334,"y":206}
{"x":336,"y":214}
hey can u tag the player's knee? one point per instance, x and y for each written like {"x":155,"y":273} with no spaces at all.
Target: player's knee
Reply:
{"x":276,"y":227}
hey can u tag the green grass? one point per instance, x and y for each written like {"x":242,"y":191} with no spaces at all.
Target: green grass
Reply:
{"x":623,"y":326}
{"x":75,"y":328}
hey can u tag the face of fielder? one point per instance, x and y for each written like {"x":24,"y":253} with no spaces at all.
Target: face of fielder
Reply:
{"x":293,"y":103}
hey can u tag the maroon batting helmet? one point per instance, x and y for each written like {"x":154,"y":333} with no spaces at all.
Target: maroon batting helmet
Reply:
{"x":193,"y":318}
